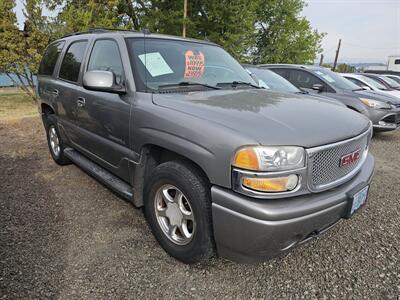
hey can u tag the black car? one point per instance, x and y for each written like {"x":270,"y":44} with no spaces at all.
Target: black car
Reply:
{"x":383,"y":111}
{"x":386,"y":81}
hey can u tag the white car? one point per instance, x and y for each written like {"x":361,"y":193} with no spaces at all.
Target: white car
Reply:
{"x":394,"y":77}
{"x":370,"y":84}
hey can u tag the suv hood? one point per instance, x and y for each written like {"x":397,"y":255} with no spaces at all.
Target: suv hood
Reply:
{"x":270,"y":118}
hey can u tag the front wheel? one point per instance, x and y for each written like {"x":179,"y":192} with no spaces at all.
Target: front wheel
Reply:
{"x":178,"y":209}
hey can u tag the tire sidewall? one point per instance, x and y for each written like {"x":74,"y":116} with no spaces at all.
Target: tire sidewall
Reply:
{"x":201,"y":245}
{"x":60,"y":159}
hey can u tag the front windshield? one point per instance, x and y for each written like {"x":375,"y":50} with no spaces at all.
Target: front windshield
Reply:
{"x":270,"y":80}
{"x":160,"y":63}
{"x":390,"y":81}
{"x":336,"y":80}
{"x":372,"y":82}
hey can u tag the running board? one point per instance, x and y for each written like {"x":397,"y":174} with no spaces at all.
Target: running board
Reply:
{"x":101,"y":174}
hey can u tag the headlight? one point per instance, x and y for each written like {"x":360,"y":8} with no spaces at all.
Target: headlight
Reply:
{"x":269,"y":158}
{"x":375,"y":103}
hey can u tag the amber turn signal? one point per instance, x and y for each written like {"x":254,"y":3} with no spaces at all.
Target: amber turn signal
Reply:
{"x":271,"y":185}
{"x":246,"y":158}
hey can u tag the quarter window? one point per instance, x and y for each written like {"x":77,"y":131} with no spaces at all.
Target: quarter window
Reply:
{"x":106,"y":57}
{"x":50,"y":58}
{"x":72,"y":61}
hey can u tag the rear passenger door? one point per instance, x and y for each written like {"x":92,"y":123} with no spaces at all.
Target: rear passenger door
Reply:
{"x":103,"y":119}
{"x":46,"y":87}
{"x":67,"y":88}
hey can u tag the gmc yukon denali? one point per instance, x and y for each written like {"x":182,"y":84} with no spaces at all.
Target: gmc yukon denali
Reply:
{"x":219,"y":165}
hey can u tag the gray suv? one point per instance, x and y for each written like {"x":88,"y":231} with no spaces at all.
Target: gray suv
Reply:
{"x":383,"y":111}
{"x":220,"y":166}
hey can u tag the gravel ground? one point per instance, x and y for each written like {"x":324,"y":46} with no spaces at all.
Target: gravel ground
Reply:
{"x":63,"y":235}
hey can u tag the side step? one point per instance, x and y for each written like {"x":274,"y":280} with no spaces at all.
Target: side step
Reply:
{"x":101,"y":174}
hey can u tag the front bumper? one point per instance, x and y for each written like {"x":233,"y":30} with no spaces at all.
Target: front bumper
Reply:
{"x":385,"y":121}
{"x":249,"y":230}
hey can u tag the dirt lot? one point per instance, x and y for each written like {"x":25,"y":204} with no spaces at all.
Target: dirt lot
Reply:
{"x":63,"y":235}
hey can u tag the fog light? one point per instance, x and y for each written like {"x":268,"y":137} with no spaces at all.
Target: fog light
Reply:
{"x":277,"y":184}
{"x":383,"y":123}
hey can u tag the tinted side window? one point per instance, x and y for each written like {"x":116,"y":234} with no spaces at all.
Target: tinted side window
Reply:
{"x":72,"y":61}
{"x":282,"y":72}
{"x":397,"y":62}
{"x":304,"y":79}
{"x":106,"y":57}
{"x":355,"y":81}
{"x":50,"y":57}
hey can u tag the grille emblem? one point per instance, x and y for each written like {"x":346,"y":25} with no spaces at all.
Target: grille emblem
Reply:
{"x":350,"y":158}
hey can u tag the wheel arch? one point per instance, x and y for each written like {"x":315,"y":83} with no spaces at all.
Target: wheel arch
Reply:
{"x":153,"y":155}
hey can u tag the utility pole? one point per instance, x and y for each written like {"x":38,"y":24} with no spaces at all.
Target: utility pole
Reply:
{"x":337,"y":55}
{"x":321,"y":61}
{"x":184,"y":18}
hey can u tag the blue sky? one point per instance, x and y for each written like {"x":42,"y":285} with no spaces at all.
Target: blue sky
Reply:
{"x":369,"y":29}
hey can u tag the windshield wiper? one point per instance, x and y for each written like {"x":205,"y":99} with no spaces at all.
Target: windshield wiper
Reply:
{"x":236,"y":83}
{"x":187,"y":83}
{"x":360,"y":89}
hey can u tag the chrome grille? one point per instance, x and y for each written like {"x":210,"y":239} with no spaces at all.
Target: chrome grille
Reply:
{"x":324,"y":162}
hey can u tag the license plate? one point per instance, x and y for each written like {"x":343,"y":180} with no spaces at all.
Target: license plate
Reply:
{"x":358,"y":200}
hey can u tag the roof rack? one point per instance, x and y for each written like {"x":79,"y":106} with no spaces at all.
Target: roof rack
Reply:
{"x":99,"y":30}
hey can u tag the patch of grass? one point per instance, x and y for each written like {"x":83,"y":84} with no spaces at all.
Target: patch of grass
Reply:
{"x":16,"y":105}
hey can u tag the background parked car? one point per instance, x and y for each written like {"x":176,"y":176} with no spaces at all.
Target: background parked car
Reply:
{"x":386,"y":81}
{"x":371,"y":84}
{"x":383,"y":111}
{"x":394,"y":77}
{"x":270,"y":80}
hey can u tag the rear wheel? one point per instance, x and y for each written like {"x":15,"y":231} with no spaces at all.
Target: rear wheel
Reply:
{"x":54,"y":141}
{"x":178,"y":209}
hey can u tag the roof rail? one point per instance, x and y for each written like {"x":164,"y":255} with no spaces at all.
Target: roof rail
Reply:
{"x":97,"y":30}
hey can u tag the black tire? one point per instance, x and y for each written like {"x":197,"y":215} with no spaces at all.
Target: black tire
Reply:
{"x":59,"y":158}
{"x":196,"y":190}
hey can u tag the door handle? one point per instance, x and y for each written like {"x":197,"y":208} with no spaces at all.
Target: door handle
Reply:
{"x":81,"y":102}
{"x":55,"y":92}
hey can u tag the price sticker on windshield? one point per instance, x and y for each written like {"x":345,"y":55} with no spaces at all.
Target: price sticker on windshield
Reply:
{"x":194,"y":64}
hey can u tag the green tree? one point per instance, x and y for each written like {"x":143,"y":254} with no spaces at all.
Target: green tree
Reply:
{"x":282,"y":35}
{"x":9,"y":37}
{"x":81,"y":15}
{"x":345,"y":68}
{"x":21,"y":51}
{"x":227,"y":23}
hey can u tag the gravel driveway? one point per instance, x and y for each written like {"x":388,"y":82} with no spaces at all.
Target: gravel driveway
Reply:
{"x":63,"y":235}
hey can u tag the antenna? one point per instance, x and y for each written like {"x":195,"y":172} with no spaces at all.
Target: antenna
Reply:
{"x":145,"y":32}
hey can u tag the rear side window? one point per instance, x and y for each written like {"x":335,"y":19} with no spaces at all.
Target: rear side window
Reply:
{"x":282,"y":72}
{"x":50,"y":57}
{"x":105,"y":57}
{"x":304,"y":79}
{"x":72,"y":61}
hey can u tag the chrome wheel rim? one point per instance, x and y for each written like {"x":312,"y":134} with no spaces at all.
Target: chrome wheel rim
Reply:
{"x":54,"y":141}
{"x":174,"y":214}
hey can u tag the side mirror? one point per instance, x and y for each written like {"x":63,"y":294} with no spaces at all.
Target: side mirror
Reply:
{"x":366,"y":87}
{"x":318,"y":87}
{"x":103,"y":81}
